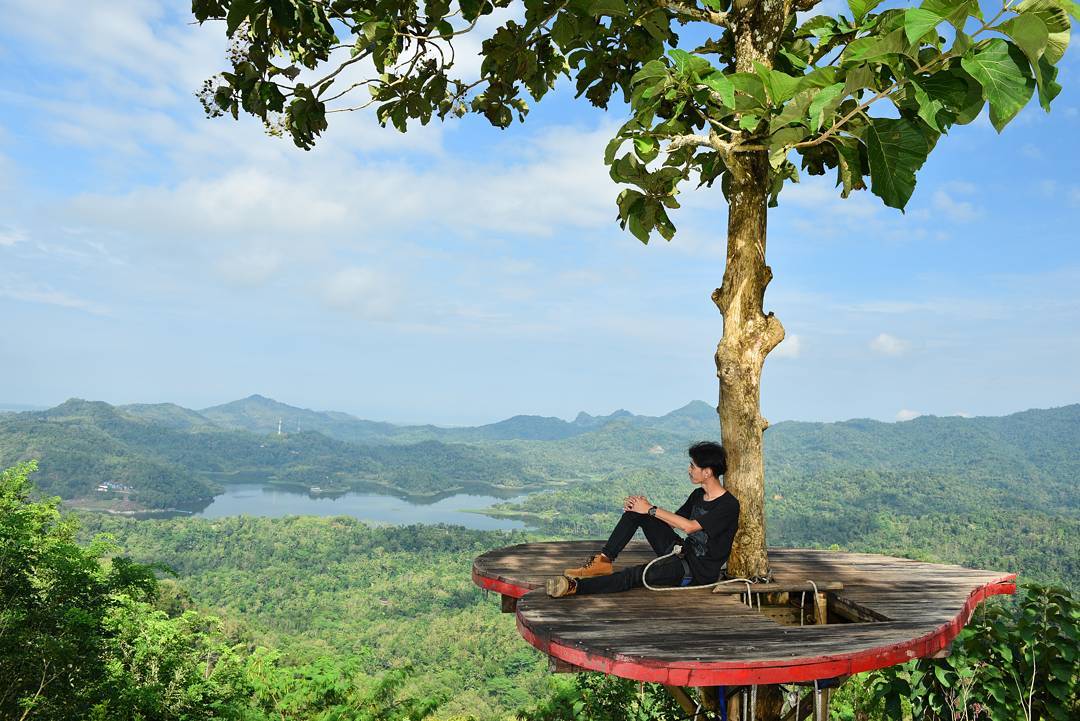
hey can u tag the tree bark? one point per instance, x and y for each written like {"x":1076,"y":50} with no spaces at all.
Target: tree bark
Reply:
{"x":749,"y":333}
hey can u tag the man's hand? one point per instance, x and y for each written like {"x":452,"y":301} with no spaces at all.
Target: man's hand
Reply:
{"x":637,"y":504}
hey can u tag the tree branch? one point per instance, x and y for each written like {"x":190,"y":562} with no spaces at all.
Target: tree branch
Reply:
{"x":355,"y":59}
{"x":713,"y":141}
{"x":41,"y":687}
{"x":695,"y":13}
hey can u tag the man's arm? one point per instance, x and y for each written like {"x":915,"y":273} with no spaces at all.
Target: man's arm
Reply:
{"x":640,"y":504}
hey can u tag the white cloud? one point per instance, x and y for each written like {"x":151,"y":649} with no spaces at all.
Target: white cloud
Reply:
{"x":790,"y":347}
{"x":10,"y":236}
{"x":886,"y":344}
{"x":249,"y":267}
{"x":959,"y":211}
{"x":964,"y":414}
{"x":906,"y":415}
{"x":19,"y":289}
{"x":252,"y":221}
{"x":361,"y":291}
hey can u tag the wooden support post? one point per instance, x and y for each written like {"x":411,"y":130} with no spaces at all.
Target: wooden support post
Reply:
{"x":557,"y":665}
{"x":509,"y":604}
{"x":734,"y":702}
{"x":821,"y":609}
{"x":710,"y":698}
{"x":683,"y":699}
{"x":805,"y":707}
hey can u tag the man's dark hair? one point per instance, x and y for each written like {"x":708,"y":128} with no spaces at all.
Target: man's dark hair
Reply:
{"x":709,"y":455}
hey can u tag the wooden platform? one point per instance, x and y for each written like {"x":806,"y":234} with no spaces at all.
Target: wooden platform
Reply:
{"x":701,"y":638}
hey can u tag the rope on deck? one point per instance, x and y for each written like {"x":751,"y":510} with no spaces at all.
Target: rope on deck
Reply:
{"x":674,"y":552}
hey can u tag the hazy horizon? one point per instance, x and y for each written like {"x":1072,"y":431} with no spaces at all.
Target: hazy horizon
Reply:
{"x":11,"y":407}
{"x":459,"y":274}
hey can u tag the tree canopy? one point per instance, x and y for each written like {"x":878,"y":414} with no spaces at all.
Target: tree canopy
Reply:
{"x":806,"y":87}
{"x":735,"y":91}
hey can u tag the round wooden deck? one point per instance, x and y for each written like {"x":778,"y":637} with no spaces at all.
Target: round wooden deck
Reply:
{"x":907,"y":610}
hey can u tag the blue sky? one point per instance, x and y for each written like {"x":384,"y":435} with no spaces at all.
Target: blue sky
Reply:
{"x":462,"y":274}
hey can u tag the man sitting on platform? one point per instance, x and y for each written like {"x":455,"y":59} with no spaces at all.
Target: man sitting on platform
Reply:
{"x":709,"y":517}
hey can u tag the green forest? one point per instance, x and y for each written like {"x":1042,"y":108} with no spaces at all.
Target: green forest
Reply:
{"x":328,"y":618}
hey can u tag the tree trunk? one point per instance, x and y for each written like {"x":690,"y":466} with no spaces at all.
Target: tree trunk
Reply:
{"x":749,"y":334}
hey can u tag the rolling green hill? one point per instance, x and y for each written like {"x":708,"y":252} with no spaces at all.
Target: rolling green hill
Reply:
{"x":1025,"y":461}
{"x":163,"y":462}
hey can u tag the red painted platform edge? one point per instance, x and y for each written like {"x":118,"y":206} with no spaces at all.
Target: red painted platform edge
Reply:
{"x":493,"y":584}
{"x":769,"y":672}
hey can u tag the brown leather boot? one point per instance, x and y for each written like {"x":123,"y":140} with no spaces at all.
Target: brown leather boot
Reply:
{"x":598,"y":565}
{"x":560,"y":586}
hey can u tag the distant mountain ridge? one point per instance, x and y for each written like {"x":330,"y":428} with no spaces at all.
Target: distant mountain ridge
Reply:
{"x":259,"y":414}
{"x":165,"y":450}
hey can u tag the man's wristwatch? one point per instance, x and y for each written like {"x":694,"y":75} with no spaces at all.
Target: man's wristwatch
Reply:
{"x":652,"y":511}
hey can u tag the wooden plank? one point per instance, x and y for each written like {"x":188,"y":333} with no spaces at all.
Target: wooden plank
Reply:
{"x":688,"y":705}
{"x":660,"y":636}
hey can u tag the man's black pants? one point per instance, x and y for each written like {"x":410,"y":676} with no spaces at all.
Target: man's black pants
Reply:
{"x":662,"y":538}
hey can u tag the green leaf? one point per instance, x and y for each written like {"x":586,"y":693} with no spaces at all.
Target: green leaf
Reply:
{"x":779,"y":86}
{"x":1029,"y":32}
{"x":686,"y":64}
{"x":962,"y":42}
{"x":656,"y":24}
{"x":955,"y":11}
{"x":1046,"y":79}
{"x":820,"y":78}
{"x":1005,"y":76}
{"x":821,"y":27}
{"x":1071,"y":7}
{"x":825,"y":104}
{"x":849,"y":170}
{"x":651,"y":70}
{"x":860,"y":8}
{"x":795,"y":111}
{"x":239,"y":11}
{"x":749,"y":122}
{"x":973,"y":102}
{"x":611,"y":8}
{"x":929,"y":107}
{"x":780,"y":144}
{"x":918,"y":22}
{"x":871,"y":48}
{"x":646,"y":148}
{"x":722,"y":84}
{"x":1058,"y":26}
{"x":942,"y":676}
{"x":859,"y":77}
{"x":750,"y":84}
{"x":564,"y":29}
{"x":896,"y":149}
{"x":681,"y":58}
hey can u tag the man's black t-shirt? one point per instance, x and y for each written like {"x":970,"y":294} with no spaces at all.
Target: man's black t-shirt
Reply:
{"x":707,"y":550}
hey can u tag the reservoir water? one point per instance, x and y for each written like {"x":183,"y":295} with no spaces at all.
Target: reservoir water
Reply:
{"x":260,"y":499}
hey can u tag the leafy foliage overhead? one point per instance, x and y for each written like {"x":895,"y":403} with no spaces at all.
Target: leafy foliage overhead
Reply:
{"x":816,"y":94}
